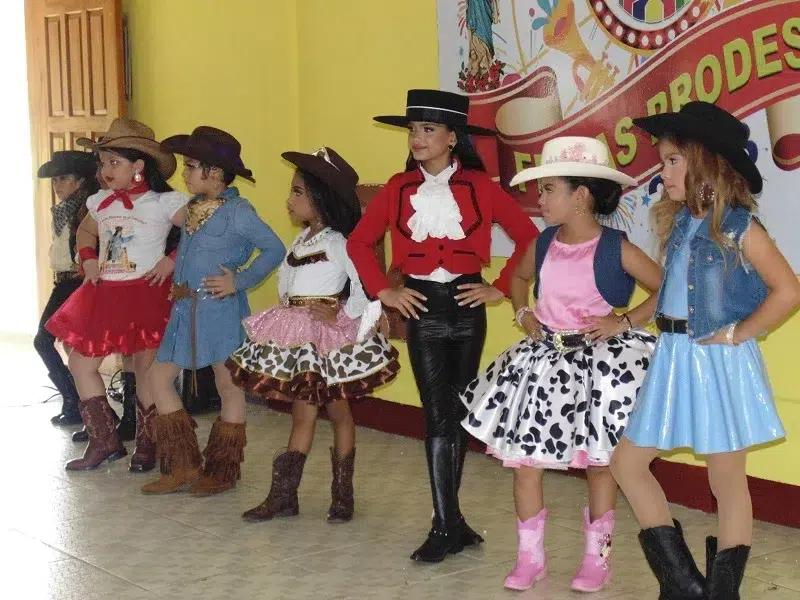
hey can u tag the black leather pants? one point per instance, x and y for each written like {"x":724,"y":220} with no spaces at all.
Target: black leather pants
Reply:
{"x":445,"y":347}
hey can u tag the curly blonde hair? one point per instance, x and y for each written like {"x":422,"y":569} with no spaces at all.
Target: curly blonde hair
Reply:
{"x":709,"y":170}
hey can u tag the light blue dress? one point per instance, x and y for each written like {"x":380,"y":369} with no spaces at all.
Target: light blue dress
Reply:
{"x":227,"y":238}
{"x":711,"y":399}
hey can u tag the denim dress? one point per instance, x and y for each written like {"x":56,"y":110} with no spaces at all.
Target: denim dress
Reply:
{"x":227,"y":238}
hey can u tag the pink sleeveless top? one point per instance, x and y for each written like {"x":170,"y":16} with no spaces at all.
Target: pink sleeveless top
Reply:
{"x":567,"y":290}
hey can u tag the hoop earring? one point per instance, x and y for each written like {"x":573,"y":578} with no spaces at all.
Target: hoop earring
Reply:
{"x":137,"y":177}
{"x":707,"y":195}
{"x":451,"y":147}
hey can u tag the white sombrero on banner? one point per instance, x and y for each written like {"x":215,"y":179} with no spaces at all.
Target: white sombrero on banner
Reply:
{"x":574,"y":157}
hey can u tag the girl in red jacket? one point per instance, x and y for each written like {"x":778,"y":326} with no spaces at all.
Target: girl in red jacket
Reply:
{"x":440,"y":213}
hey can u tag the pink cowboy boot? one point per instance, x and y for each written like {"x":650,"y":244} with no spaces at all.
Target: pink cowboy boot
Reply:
{"x":596,"y":568}
{"x":531,"y":563}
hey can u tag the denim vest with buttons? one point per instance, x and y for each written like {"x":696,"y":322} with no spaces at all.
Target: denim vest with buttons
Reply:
{"x":722,"y":286}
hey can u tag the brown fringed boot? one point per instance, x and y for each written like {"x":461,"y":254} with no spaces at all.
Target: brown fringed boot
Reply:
{"x":177,"y":451}
{"x":144,"y":454}
{"x":287,"y":471}
{"x":342,"y":500}
{"x":104,"y":443}
{"x":224,"y":454}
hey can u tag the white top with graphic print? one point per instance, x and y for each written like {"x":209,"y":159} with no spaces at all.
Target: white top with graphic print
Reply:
{"x":133,"y":241}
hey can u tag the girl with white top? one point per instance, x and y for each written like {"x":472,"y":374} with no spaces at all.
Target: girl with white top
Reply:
{"x":319,"y":346}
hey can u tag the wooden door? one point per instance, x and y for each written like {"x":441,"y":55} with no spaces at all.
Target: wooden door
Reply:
{"x":75,"y":86}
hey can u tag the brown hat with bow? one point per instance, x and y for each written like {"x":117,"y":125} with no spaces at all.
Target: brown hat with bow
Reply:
{"x":128,"y":134}
{"x":328,"y":166}
{"x":211,"y":146}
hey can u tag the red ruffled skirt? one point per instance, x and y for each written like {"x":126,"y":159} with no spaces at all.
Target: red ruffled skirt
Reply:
{"x":113,"y":317}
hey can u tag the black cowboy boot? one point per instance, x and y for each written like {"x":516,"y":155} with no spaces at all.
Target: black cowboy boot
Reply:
{"x":70,"y":412}
{"x":127,"y":425}
{"x":444,"y":537}
{"x":724,"y":570}
{"x":469,"y":537}
{"x":672,"y":563}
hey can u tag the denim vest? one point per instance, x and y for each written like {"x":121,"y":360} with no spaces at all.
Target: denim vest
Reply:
{"x":613,"y":282}
{"x":722,"y":286}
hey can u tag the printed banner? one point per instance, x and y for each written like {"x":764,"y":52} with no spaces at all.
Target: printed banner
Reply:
{"x":538,"y":69}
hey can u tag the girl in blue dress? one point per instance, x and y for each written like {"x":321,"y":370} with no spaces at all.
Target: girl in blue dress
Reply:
{"x":220,"y":232}
{"x":707,"y":389}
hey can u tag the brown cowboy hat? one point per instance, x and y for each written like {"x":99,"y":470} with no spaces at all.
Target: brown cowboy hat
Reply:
{"x":133,"y":135}
{"x":328,"y":166}
{"x":211,"y":146}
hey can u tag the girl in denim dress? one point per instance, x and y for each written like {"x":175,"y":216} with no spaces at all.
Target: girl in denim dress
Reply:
{"x":707,"y":389}
{"x":211,"y":279}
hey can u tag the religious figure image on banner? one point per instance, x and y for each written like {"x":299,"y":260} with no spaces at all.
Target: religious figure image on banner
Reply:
{"x":538,"y":69}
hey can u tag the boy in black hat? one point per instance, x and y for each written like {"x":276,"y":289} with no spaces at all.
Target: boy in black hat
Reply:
{"x":72,"y":174}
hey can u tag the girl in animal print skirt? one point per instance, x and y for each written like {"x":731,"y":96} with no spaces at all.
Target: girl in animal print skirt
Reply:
{"x":320,"y":346}
{"x":561,"y":397}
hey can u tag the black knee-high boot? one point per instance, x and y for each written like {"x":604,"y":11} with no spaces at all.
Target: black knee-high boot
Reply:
{"x":127,"y":425}
{"x":444,"y":537}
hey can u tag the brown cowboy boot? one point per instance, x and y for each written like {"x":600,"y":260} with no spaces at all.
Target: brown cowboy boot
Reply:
{"x":224,"y":454}
{"x":342,"y":501}
{"x":287,"y":470}
{"x":144,"y":454}
{"x":177,"y":452}
{"x":104,"y":443}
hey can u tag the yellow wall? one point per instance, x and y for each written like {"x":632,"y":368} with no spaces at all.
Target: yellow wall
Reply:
{"x":227,"y":63}
{"x":305,"y":73}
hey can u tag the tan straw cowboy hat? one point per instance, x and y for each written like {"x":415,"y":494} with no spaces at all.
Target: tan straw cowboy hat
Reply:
{"x":133,"y":135}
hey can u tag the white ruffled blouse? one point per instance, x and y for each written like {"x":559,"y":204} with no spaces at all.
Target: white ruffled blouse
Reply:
{"x":436,"y":211}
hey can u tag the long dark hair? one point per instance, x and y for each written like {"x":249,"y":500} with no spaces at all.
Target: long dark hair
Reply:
{"x":153,"y":177}
{"x":605,"y":193}
{"x":464,"y":150}
{"x":340,"y":213}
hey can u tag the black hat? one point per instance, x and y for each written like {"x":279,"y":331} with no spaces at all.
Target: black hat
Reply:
{"x":328,"y":166}
{"x":436,"y":106}
{"x":713,"y":127}
{"x":69,"y":162}
{"x":211,"y":146}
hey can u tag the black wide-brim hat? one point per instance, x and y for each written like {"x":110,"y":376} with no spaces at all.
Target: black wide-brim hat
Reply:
{"x":713,"y":127}
{"x":436,"y":106}
{"x":69,"y":162}
{"x":211,"y":146}
{"x":326,"y":165}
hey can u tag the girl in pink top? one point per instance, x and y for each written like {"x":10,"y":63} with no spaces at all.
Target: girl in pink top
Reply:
{"x":561,"y":397}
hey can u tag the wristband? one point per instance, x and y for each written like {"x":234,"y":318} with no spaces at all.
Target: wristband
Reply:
{"x":87,"y":253}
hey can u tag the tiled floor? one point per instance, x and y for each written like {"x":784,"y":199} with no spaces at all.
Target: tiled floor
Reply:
{"x":92,"y":536}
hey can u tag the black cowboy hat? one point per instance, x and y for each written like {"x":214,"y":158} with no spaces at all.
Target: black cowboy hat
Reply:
{"x":713,"y":127}
{"x":436,"y":106}
{"x":328,"y":166}
{"x":69,"y":162}
{"x":211,"y":146}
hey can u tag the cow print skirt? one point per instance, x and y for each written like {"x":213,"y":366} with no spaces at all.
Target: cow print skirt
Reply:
{"x":312,"y":368}
{"x":536,"y":407}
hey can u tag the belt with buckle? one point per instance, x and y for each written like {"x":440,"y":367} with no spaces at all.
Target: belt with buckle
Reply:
{"x":309,"y":300}
{"x":667,"y":324}
{"x":567,"y":341}
{"x":182,"y":291}
{"x":63,"y":276}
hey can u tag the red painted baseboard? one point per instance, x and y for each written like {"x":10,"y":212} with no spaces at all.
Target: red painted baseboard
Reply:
{"x":683,"y":484}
